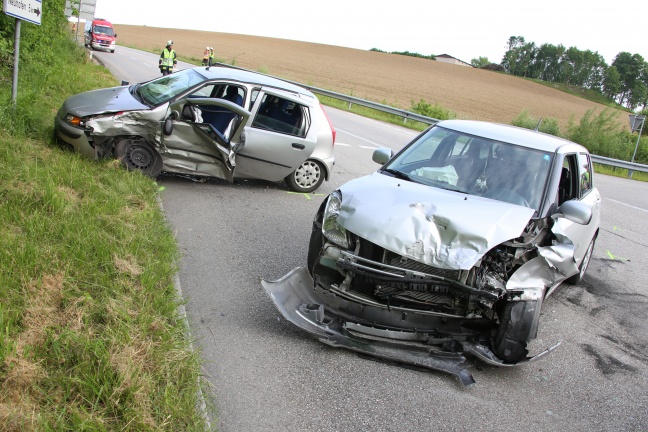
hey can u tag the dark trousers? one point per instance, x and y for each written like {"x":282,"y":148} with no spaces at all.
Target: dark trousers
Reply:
{"x":166,"y":70}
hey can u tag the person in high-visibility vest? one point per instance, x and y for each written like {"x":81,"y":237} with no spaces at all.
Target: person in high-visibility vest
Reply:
{"x":168,"y":59}
{"x":205,"y":60}
{"x":211,"y":56}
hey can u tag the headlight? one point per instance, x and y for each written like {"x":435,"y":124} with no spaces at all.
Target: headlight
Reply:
{"x":330,"y":227}
{"x":73,"y":120}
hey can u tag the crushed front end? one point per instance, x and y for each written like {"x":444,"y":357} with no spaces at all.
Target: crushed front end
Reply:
{"x":364,"y":297}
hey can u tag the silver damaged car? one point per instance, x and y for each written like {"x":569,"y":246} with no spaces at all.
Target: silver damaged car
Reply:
{"x":449,"y":250}
{"x":206,"y":122}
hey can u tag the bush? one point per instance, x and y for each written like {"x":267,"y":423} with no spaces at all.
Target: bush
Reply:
{"x":494,"y":67}
{"x":434,"y":111}
{"x":547,"y":125}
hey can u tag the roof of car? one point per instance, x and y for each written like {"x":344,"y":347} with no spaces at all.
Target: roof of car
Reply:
{"x":510,"y":134}
{"x":222,"y":72}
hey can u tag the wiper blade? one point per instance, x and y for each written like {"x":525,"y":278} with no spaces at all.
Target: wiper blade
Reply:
{"x":398,"y":174}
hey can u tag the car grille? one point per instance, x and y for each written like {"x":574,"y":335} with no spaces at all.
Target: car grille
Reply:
{"x":410,"y":264}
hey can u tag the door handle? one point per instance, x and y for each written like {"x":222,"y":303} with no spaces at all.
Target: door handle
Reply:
{"x":298,"y":146}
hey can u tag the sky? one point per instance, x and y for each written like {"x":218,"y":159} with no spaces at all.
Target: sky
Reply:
{"x":465,"y":29}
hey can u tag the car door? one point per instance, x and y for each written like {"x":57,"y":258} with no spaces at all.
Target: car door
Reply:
{"x":190,"y":145}
{"x":576,"y":184}
{"x":277,"y":137}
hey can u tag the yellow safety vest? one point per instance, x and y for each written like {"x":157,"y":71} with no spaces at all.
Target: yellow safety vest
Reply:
{"x":168,"y":57}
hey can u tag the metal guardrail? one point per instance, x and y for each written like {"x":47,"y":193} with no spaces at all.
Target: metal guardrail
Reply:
{"x":630,"y":166}
{"x":601,"y":160}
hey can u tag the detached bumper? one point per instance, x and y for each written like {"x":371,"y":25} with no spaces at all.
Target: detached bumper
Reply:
{"x":300,"y":304}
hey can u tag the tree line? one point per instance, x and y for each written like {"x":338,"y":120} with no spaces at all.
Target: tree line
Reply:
{"x":625,"y":81}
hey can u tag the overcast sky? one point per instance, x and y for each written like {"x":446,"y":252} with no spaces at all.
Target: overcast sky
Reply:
{"x":465,"y":29}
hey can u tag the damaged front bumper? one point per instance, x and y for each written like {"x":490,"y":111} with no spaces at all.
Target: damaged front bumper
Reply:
{"x":300,"y":303}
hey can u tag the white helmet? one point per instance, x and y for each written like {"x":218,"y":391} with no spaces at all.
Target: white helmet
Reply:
{"x":169,"y":42}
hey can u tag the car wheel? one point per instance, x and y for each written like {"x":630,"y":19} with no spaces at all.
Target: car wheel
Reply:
{"x":137,"y":155}
{"x":518,"y":325}
{"x":112,"y":51}
{"x":308,"y":177}
{"x":578,"y":277}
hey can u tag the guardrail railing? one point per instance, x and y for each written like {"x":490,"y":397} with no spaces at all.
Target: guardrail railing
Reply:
{"x":407,"y":115}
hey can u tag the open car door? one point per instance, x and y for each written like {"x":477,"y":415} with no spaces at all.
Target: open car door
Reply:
{"x":192,"y":145}
{"x":277,"y":137}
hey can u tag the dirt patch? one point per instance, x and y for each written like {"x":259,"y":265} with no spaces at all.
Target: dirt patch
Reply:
{"x":380,"y":77}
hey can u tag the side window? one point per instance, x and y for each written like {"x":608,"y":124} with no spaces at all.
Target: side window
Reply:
{"x":585,"y":172}
{"x":568,"y":186}
{"x":203,"y":92}
{"x":281,"y":115}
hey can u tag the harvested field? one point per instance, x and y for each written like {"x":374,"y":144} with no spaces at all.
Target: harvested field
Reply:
{"x":389,"y":79}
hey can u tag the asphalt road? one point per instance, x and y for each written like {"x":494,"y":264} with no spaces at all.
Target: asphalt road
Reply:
{"x":268,"y":376}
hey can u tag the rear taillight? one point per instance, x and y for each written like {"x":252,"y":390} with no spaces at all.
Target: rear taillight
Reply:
{"x":333,"y":133}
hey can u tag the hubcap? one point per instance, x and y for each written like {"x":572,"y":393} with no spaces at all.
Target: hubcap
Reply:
{"x":307,"y":174}
{"x":139,"y":158}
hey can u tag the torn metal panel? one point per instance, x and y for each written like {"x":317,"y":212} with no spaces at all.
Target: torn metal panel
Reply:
{"x":146,"y":124}
{"x":431,"y":225}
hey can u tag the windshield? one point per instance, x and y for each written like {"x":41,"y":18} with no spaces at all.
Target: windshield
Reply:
{"x":476,"y":166}
{"x":168,"y":87}
{"x":108,"y":31}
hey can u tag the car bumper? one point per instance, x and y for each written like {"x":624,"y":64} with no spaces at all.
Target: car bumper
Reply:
{"x":74,"y":137}
{"x":308,"y":307}
{"x":103,"y":46}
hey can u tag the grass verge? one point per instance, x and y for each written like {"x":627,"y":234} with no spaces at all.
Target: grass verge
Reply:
{"x":90,"y":333}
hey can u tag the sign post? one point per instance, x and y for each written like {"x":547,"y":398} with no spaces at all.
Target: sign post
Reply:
{"x":25,"y":10}
{"x":636,"y":124}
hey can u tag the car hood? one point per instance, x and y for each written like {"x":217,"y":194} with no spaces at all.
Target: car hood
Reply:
{"x":434,"y":226}
{"x":102,"y":101}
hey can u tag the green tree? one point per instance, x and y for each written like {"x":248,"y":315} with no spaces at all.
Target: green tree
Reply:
{"x":480,"y":62}
{"x":611,"y":82}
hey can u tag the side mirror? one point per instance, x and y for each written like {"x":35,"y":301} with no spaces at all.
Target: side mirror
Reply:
{"x":382,"y":155}
{"x":167,"y":128}
{"x":115,"y":35}
{"x":576,"y":212}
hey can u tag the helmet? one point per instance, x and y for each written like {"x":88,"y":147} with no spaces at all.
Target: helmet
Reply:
{"x":169,"y":42}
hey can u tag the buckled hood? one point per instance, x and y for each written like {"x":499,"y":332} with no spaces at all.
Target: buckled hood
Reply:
{"x":102,"y":101}
{"x":434,"y":226}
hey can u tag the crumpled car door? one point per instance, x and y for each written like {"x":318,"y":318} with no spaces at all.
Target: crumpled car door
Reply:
{"x":269,"y":147}
{"x":193,"y":146}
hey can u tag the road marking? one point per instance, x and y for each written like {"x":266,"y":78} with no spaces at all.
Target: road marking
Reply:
{"x":356,"y":136}
{"x":614,"y":257}
{"x":627,"y":205}
{"x":306,"y":194}
{"x":342,"y":144}
{"x":369,"y":147}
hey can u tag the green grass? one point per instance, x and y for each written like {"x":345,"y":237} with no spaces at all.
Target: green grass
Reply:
{"x":91,"y":337}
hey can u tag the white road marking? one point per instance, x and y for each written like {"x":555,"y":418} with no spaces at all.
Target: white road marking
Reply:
{"x":627,"y":205}
{"x":369,"y":147}
{"x":356,"y":136}
{"x":342,"y":144}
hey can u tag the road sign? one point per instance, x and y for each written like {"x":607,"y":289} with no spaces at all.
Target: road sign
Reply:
{"x":26,"y":10}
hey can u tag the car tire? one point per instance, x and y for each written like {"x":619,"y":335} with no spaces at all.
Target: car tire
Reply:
{"x":307,"y":177}
{"x":578,"y":277}
{"x":137,"y":155}
{"x":518,"y":325}
{"x":112,"y":51}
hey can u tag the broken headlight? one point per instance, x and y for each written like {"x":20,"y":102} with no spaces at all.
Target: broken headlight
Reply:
{"x":333,"y":231}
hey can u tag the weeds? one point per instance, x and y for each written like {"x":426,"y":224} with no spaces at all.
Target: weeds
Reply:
{"x":91,"y":338}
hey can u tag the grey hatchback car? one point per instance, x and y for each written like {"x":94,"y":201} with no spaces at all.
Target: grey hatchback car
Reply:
{"x":449,"y":249}
{"x":206,"y":121}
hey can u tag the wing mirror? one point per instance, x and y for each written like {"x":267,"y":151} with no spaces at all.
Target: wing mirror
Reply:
{"x":168,"y":123}
{"x":576,"y":212}
{"x":382,"y":155}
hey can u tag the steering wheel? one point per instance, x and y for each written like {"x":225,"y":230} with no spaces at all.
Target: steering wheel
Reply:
{"x":507,"y":195}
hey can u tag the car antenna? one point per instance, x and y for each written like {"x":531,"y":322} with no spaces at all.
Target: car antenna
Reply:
{"x":538,"y":125}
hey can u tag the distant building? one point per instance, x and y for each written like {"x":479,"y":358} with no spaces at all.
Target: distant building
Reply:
{"x":446,"y":58}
